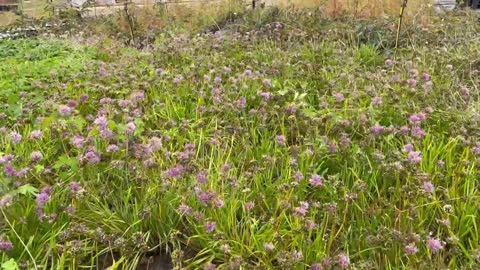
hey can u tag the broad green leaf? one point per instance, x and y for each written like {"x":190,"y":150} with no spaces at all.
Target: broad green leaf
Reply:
{"x":10,"y":265}
{"x":27,"y":189}
{"x":72,"y":162}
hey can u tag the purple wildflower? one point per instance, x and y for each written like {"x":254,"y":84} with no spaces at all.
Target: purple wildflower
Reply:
{"x":407,"y":148}
{"x":418,"y":132}
{"x":72,"y":103}
{"x":139,"y":95}
{"x":297,"y":255}
{"x":428,"y":187}
{"x":388,"y":62}
{"x":210,"y":226}
{"x":410,"y":249}
{"x":310,"y":225}
{"x":225,"y":167}
{"x":92,"y":157}
{"x":343,"y":261}
{"x":269,"y":247}
{"x":425,"y":76}
{"x":416,"y":119}
{"x":6,"y":200}
{"x":64,"y":110}
{"x":36,"y":156}
{"x":395,"y":78}
{"x":377,"y":100}
{"x":177,"y":79}
{"x":412,"y":82}
{"x":280,"y":140}
{"x":413,"y":73}
{"x":10,"y":171}
{"x":414,"y":157}
{"x":204,"y":197}
{"x":291,"y":109}
{"x":149,"y":163}
{"x":339,"y":97}
{"x":241,"y":103}
{"x":202,"y":177}
{"x":75,"y":187}
{"x":102,"y":71}
{"x":316,"y":266}
{"x":225,"y":248}
{"x":101,"y":121}
{"x":42,"y":199}
{"x":377,"y":129}
{"x":106,"y":133}
{"x":36,"y":135}
{"x":434,"y":245}
{"x":249,"y":205}
{"x":22,"y":172}
{"x":265,"y":95}
{"x":218,"y":202}
{"x":5,"y":245}
{"x":404,"y":130}
{"x":184,"y":209}
{"x":6,"y":158}
{"x":155,"y":143}
{"x":112,"y":148}
{"x":476,"y":149}
{"x":302,"y":209}
{"x":106,"y":100}
{"x":316,"y":180}
{"x":130,"y":128}
{"x":83,"y":98}
{"x":465,"y":92}
{"x":70,"y":209}
{"x":298,"y":176}
{"x":267,"y":83}
{"x":15,"y":137}
{"x":78,"y":141}
{"x":332,"y":147}
{"x":159,"y":71}
{"x":175,"y":172}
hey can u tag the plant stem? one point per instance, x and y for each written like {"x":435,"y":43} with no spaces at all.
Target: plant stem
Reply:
{"x":19,"y":238}
{"x":399,"y":28}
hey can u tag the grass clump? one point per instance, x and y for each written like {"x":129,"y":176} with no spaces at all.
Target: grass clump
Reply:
{"x":274,"y":143}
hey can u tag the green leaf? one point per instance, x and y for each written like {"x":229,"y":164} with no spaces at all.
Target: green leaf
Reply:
{"x":282,"y":92}
{"x":80,"y":123}
{"x":66,"y":161}
{"x":39,"y":168}
{"x":112,"y":125}
{"x":27,"y":189}
{"x":10,"y":265}
{"x":115,"y":265}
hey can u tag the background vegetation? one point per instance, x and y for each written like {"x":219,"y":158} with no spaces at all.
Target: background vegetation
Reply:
{"x":279,"y":138}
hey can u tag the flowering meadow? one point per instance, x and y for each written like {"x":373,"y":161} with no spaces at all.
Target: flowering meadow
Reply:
{"x":289,"y":141}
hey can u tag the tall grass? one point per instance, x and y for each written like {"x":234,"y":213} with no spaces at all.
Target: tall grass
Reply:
{"x":284,"y":141}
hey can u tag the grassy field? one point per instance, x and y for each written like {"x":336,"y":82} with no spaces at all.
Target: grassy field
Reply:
{"x":287,"y":140}
{"x":360,"y":8}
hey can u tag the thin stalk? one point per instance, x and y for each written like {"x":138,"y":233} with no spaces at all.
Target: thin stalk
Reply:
{"x":399,"y":28}
{"x":19,"y":238}
{"x":130,"y":22}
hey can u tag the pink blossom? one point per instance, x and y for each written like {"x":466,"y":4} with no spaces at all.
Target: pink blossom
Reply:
{"x":316,"y":180}
{"x":434,"y":245}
